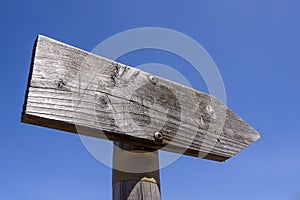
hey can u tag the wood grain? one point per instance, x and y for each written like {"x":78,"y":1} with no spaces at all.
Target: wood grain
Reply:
{"x":73,"y":90}
{"x":130,"y":181}
{"x":136,"y":190}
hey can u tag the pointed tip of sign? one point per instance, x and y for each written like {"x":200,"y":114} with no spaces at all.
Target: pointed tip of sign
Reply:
{"x":254,"y":133}
{"x":257,"y":135}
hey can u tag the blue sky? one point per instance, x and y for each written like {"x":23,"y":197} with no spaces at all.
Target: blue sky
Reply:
{"x":254,"y":43}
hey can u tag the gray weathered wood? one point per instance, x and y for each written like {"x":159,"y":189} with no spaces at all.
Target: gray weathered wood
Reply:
{"x":129,"y":185}
{"x":76,"y":91}
{"x":136,"y":190}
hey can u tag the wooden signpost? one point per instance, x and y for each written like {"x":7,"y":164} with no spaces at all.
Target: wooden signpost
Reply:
{"x":76,"y":91}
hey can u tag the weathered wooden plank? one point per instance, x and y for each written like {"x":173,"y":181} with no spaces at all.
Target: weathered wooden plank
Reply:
{"x":73,"y":90}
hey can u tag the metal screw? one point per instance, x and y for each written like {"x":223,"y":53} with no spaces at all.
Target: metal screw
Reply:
{"x":158,"y":136}
{"x":152,"y":79}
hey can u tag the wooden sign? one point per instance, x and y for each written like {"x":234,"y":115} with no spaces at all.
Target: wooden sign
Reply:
{"x":73,"y":90}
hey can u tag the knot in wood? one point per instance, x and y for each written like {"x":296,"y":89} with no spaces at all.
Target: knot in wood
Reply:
{"x":60,"y":83}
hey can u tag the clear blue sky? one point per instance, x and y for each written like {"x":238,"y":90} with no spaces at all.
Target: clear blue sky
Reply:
{"x":256,"y":45}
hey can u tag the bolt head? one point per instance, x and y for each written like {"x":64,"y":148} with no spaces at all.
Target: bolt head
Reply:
{"x":158,"y":136}
{"x":152,"y":79}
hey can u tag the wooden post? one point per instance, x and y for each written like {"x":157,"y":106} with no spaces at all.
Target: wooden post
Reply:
{"x":133,"y":176}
